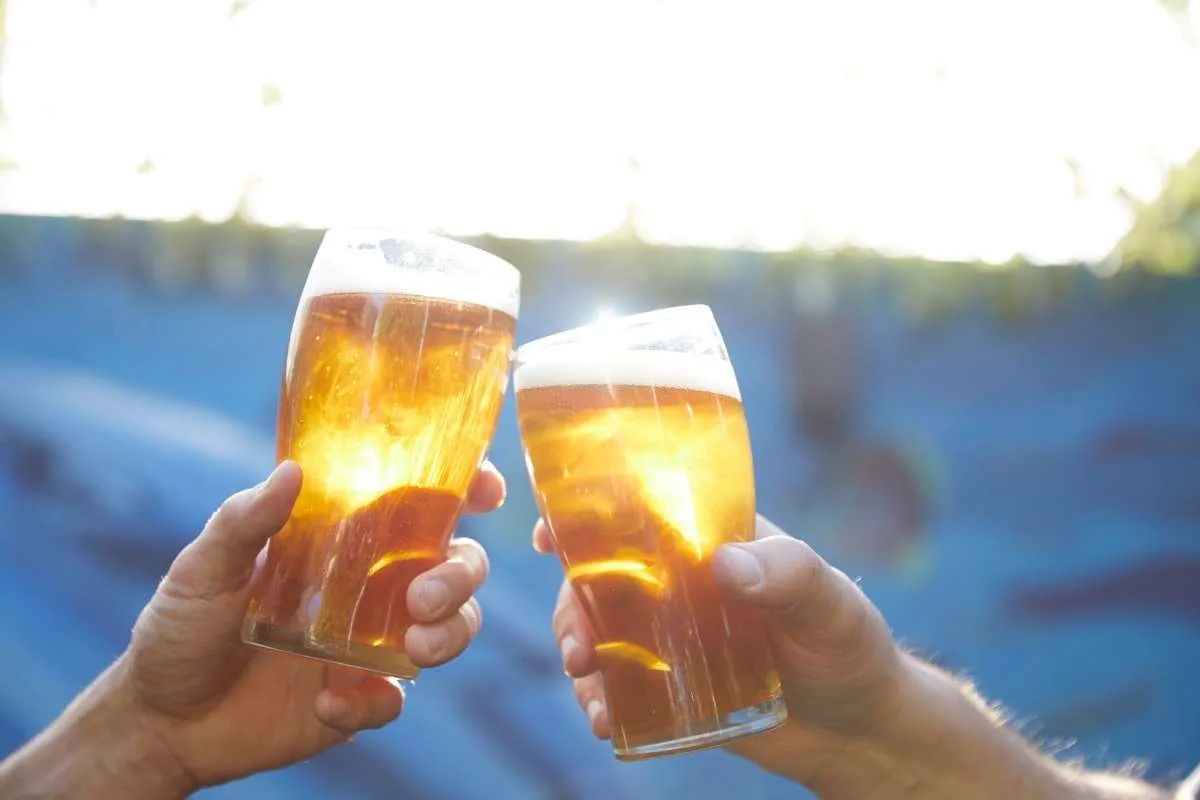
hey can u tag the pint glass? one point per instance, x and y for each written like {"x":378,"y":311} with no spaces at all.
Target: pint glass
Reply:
{"x":639,"y":455}
{"x":395,"y":375}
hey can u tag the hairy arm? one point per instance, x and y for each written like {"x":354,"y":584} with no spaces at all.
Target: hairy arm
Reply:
{"x":946,"y":744}
{"x":99,"y":748}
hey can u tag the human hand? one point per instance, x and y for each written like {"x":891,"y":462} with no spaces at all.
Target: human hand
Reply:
{"x":841,"y":671}
{"x":866,"y":720}
{"x":223,"y":710}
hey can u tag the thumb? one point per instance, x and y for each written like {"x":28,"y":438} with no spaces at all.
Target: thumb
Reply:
{"x":221,"y":559}
{"x":805,"y":599}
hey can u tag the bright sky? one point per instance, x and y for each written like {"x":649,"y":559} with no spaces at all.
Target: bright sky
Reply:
{"x":939,"y":128}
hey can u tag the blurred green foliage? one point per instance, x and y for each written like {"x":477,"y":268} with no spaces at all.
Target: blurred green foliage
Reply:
{"x":238,"y":258}
{"x":238,"y":6}
{"x":1163,"y":242}
{"x":1165,"y":235}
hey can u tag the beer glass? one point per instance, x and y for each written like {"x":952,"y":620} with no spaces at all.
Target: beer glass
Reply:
{"x":639,"y":456}
{"x":395,"y":374}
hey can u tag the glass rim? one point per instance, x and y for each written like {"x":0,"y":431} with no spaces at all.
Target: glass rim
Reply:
{"x":624,"y":322}
{"x":344,"y":237}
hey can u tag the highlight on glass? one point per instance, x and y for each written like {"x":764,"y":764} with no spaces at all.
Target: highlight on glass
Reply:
{"x":639,"y":455}
{"x":395,"y":375}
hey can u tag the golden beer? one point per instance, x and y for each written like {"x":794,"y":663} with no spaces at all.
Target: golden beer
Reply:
{"x":395,"y":376}
{"x":642,"y":467}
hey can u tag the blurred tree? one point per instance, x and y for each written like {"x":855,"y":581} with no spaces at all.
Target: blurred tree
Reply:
{"x":239,"y":6}
{"x":1165,"y":235}
{"x":628,"y":231}
{"x":3,"y":42}
{"x":1021,"y":294}
{"x":1179,"y":11}
{"x":272,"y":95}
{"x":931,"y":294}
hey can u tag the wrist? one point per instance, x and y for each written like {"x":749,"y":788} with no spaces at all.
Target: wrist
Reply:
{"x":886,"y":760}
{"x":148,"y":752}
{"x":942,"y":741}
{"x":848,"y":744}
{"x":103,"y":746}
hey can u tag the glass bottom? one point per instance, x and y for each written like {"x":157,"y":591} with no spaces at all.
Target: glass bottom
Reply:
{"x":740,"y":724}
{"x":356,"y":656}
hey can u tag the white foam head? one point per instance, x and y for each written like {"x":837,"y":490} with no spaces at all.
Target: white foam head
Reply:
{"x":570,"y":366}
{"x":420,"y":264}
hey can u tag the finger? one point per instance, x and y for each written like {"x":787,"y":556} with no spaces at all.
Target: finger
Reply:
{"x":370,"y":702}
{"x":440,"y":592}
{"x":431,"y":645}
{"x":543,"y":541}
{"x":802,"y":595}
{"x":589,"y":692}
{"x":487,"y":490}
{"x":576,"y":642}
{"x":221,"y":559}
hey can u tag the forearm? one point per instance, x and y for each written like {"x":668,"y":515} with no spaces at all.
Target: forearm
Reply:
{"x":946,"y":743}
{"x":99,"y":749}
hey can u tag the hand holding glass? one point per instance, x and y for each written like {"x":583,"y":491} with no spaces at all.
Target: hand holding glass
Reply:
{"x":640,"y":458}
{"x":395,"y":375}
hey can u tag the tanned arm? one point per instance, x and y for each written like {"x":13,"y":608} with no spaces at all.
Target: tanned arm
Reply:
{"x":949,"y":744}
{"x":99,"y":748}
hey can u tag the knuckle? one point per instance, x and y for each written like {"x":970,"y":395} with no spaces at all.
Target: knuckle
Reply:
{"x":481,"y":564}
{"x":854,"y":617}
{"x":586,"y":690}
{"x":803,"y":551}
{"x":850,"y":625}
{"x":563,"y":618}
{"x":472,"y":555}
{"x":472,"y":614}
{"x":807,"y":569}
{"x":566,"y":595}
{"x":227,"y":512}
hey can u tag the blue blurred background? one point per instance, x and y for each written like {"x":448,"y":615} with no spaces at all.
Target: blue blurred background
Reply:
{"x":959,"y":293}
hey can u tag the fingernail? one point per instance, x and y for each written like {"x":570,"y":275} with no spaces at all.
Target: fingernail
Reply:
{"x":434,"y":596}
{"x":488,"y":465}
{"x":568,"y":646}
{"x":336,"y":707}
{"x":437,"y":639}
{"x":263,"y":487}
{"x":741,"y":566}
{"x":594,"y":709}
